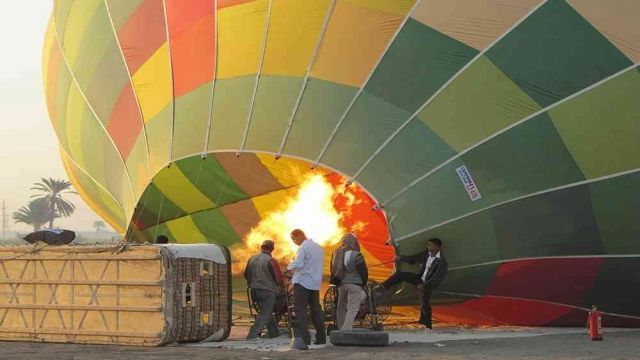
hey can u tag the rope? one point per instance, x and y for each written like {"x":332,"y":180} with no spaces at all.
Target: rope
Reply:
{"x":33,"y":251}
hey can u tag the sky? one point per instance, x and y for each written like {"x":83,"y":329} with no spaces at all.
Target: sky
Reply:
{"x":28,"y":144}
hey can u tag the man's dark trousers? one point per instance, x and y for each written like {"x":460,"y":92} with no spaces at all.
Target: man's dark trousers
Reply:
{"x":425,"y":293}
{"x":266,"y":301}
{"x":425,"y":306}
{"x":400,"y":276}
{"x":303,"y":299}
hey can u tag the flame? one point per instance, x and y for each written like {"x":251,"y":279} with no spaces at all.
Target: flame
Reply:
{"x":311,"y":209}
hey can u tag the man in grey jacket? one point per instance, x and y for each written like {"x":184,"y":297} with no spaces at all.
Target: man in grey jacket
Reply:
{"x":348,"y":272}
{"x":265,"y":280}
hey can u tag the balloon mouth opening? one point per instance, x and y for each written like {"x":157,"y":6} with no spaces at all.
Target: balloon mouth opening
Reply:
{"x":193,"y":202}
{"x":325,"y":205}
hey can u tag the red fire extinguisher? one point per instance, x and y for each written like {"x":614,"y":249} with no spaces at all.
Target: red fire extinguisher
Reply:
{"x":594,"y":324}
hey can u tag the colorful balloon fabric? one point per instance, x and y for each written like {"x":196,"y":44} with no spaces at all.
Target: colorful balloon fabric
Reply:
{"x":509,"y":129}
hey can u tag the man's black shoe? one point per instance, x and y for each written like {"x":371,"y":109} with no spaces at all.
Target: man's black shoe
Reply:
{"x":320,"y":342}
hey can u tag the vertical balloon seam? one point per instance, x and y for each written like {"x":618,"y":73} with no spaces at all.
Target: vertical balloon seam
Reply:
{"x":61,"y":147}
{"x":173,"y":87}
{"x":533,"y":194}
{"x":197,"y":179}
{"x":155,"y":229}
{"x":61,"y":144}
{"x":364,"y":84}
{"x":144,"y":199}
{"x":443,"y":87}
{"x":135,"y":94}
{"x":213,"y":81}
{"x":503,"y":130}
{"x":257,"y":81}
{"x":296,"y":106}
{"x":108,"y":136}
{"x":124,"y":215}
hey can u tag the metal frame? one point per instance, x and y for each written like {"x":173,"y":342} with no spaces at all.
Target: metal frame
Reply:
{"x":366,"y":314}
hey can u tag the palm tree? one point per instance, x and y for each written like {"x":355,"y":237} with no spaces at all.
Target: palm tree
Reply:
{"x":52,"y":191}
{"x":36,"y":214}
{"x":99,"y":225}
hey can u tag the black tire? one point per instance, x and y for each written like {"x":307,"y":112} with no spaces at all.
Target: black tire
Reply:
{"x":359,"y":338}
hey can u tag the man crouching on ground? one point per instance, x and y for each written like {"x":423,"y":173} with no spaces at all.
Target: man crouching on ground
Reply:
{"x":307,"y":275}
{"x":265,"y":280}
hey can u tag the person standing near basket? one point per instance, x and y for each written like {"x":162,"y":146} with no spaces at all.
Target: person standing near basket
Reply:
{"x":349,"y":272}
{"x":266,"y":282}
{"x":307,"y":275}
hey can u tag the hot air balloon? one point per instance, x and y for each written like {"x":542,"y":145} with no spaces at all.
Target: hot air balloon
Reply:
{"x":510,"y":130}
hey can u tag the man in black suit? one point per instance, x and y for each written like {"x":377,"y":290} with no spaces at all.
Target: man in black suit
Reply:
{"x":432,"y":271}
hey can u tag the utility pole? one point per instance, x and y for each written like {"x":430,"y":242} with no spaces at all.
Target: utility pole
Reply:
{"x":5,"y":221}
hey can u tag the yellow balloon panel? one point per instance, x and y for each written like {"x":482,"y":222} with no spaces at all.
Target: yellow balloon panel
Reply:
{"x":241,"y":32}
{"x":294,"y":30}
{"x":351,"y":48}
{"x":153,"y":83}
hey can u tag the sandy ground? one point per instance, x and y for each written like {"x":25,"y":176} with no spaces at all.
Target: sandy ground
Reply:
{"x":443,"y":343}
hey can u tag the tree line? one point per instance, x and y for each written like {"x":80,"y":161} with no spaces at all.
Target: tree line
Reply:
{"x":48,"y":204}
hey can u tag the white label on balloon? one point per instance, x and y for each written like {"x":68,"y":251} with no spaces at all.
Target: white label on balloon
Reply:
{"x":469,"y":185}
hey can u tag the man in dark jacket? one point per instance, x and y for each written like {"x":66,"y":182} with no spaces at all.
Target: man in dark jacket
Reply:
{"x":265,"y":280}
{"x":433,"y":269}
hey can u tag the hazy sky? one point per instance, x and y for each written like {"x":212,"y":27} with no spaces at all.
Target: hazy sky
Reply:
{"x":28,"y":145}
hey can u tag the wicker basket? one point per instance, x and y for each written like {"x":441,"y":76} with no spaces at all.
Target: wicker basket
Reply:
{"x":106,"y":294}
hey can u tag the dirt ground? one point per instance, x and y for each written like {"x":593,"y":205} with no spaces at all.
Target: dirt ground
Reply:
{"x":520,"y":344}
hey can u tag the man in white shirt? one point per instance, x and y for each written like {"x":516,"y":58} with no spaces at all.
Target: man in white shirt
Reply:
{"x":433,"y":269}
{"x":307,"y":276}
